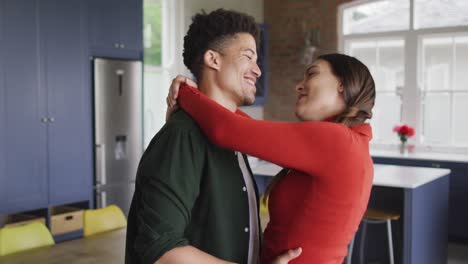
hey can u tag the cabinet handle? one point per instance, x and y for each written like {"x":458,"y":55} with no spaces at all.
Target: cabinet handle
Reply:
{"x":101,"y":201}
{"x":435,"y":165}
{"x":122,"y":46}
{"x":44,"y":120}
{"x":101,"y":161}
{"x":104,"y":199}
{"x":51,"y":119}
{"x":116,"y":45}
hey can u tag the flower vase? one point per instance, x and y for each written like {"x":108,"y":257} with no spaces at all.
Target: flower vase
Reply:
{"x":403,"y":149}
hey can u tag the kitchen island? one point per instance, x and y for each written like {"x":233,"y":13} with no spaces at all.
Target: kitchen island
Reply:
{"x":420,"y":195}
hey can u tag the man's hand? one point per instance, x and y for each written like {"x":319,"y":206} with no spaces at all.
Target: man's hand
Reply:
{"x":287,"y":256}
{"x":171,"y":98}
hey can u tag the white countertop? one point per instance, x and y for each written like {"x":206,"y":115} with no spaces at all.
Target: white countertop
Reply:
{"x":406,"y":177}
{"x":384,"y":175}
{"x":420,"y":156}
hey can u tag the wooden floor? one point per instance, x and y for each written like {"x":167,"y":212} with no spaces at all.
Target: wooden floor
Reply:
{"x":110,"y":248}
{"x":458,"y":253}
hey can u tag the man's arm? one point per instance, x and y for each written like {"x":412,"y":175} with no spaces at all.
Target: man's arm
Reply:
{"x":171,"y":174}
{"x":189,"y":255}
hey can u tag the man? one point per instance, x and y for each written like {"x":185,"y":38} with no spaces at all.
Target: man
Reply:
{"x":195,"y":202}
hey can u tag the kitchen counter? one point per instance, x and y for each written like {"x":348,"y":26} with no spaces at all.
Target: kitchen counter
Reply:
{"x":384,"y":175}
{"x":421,"y":196}
{"x":458,"y":186}
{"x":435,"y":156}
{"x":405,"y":177}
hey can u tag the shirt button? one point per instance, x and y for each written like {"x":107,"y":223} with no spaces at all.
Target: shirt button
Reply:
{"x":246,"y":229}
{"x":244,"y":189}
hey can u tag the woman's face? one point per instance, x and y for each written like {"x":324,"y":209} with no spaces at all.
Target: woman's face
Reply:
{"x":320,"y":93}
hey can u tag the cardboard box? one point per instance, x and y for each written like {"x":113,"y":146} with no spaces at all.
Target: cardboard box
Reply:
{"x":22,"y":219}
{"x":65,"y":220}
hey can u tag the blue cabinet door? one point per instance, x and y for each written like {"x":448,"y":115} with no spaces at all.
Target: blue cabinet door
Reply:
{"x":65,"y":54}
{"x":131,"y":24}
{"x":3,"y":117}
{"x":23,"y":137}
{"x":115,"y":28}
{"x":261,"y":94}
{"x":103,"y":22}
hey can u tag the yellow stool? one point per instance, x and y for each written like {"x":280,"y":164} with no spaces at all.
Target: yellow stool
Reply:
{"x":263,"y":205}
{"x":264,"y":215}
{"x":19,"y":238}
{"x":102,"y":220}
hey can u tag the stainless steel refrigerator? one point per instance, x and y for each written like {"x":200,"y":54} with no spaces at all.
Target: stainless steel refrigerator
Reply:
{"x":118,"y":130}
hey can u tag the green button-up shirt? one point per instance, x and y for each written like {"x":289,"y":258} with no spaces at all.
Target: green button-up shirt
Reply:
{"x":188,"y":192}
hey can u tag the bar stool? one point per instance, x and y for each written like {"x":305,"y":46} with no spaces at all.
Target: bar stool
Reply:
{"x":373,"y":216}
{"x":24,"y":237}
{"x":102,"y":220}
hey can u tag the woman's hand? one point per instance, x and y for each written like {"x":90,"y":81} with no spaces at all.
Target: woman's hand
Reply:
{"x":287,"y":256}
{"x":171,"y":99}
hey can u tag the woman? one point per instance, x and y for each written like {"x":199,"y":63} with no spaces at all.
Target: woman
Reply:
{"x":318,"y":202}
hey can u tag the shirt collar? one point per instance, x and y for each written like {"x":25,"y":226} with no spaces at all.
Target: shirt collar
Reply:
{"x":363,"y":129}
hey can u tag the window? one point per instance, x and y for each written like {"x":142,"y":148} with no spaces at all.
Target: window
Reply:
{"x":444,"y":69}
{"x":417,"y":52}
{"x":152,"y":32}
{"x":385,"y":60}
{"x":378,"y":16}
{"x":163,"y":31}
{"x":440,"y":13}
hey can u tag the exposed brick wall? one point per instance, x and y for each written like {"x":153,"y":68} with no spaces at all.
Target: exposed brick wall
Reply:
{"x":285,"y":19}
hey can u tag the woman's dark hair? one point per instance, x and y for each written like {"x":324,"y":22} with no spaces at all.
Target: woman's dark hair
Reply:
{"x":359,"y":88}
{"x":359,"y":96}
{"x":211,"y":31}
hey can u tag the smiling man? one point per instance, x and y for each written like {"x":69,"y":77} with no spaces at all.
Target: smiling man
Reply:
{"x":195,"y":202}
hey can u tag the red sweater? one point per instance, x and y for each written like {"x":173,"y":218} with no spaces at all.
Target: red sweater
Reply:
{"x":319,"y":204}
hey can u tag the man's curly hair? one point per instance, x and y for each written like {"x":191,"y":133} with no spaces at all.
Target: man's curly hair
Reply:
{"x":210,"y":32}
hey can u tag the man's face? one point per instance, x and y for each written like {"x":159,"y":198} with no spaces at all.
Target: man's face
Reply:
{"x":238,"y":70}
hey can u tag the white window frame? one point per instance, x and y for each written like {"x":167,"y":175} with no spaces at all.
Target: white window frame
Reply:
{"x":169,"y":38}
{"x":451,"y":89}
{"x":411,"y":94}
{"x":173,"y":31}
{"x":398,"y":90}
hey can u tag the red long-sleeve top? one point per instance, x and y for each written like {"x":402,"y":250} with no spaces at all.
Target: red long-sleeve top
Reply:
{"x":319,"y":204}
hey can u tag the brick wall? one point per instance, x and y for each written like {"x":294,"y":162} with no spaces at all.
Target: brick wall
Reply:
{"x":285,"y":19}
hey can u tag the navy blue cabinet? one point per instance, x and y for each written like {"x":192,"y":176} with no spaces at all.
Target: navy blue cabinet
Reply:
{"x":116,"y":28}
{"x":23,"y":152}
{"x":63,"y":28}
{"x":3,"y":119}
{"x":131,"y":24}
{"x":104,"y":32}
{"x":45,"y":105}
{"x":261,"y":94}
{"x":458,"y":192}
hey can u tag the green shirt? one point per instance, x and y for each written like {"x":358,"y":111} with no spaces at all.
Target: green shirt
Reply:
{"x":188,"y":192}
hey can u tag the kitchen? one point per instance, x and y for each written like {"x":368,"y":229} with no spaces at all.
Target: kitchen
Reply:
{"x":52,"y":157}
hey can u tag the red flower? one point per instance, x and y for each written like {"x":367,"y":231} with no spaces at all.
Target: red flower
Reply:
{"x":404,"y":130}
